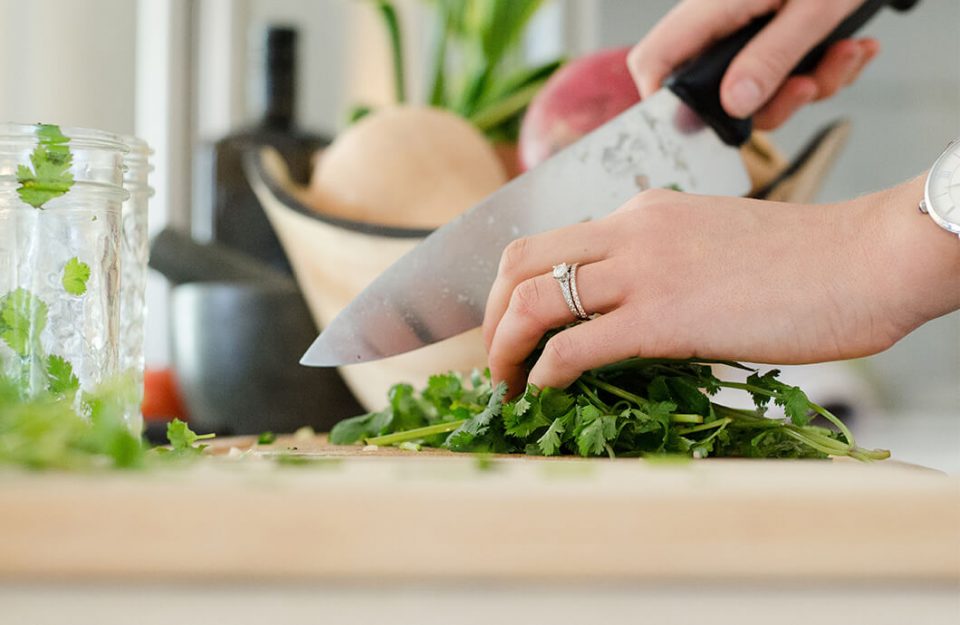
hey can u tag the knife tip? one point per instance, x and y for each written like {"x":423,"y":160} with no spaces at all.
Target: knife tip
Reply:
{"x":319,"y":356}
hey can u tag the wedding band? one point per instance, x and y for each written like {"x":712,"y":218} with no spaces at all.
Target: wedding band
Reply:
{"x":566,"y":276}
{"x":580,"y":312}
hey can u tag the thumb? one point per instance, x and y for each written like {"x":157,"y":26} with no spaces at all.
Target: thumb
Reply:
{"x":764,"y":64}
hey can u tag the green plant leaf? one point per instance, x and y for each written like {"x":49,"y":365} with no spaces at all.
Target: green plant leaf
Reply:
{"x":183,"y":439}
{"x":60,"y":376}
{"x":50,"y":175}
{"x":550,"y":442}
{"x":391,"y":22}
{"x":23,"y":317}
{"x":75,"y":276}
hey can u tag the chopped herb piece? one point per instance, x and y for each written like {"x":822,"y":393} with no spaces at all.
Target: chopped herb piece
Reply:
{"x":75,"y":276}
{"x":23,"y":317}
{"x":50,"y":175}
{"x":60,"y":376}
{"x":266,"y":438}
{"x":182,"y":438}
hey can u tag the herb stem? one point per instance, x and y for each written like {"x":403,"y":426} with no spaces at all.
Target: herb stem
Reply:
{"x":680,"y":417}
{"x":820,"y":410}
{"x":614,"y":390}
{"x":830,"y":451}
{"x":411,"y":435}
{"x":719,"y":423}
{"x":592,"y":396}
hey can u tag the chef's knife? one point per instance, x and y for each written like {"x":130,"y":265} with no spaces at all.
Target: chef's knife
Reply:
{"x":680,"y":136}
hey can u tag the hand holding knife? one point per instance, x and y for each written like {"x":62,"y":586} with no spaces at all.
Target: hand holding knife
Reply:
{"x":679,"y":136}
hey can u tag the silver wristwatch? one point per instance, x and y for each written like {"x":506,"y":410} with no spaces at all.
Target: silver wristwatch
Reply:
{"x":941,"y":194}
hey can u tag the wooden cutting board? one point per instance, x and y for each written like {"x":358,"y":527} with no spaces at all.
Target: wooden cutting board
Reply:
{"x":350,"y":513}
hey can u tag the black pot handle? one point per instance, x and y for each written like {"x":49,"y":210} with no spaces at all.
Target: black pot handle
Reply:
{"x":698,"y":81}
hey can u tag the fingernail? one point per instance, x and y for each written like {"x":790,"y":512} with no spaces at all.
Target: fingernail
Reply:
{"x":744,"y":97}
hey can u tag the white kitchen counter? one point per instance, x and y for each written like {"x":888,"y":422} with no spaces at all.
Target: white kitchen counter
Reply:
{"x":704,"y":603}
{"x":928,"y":439}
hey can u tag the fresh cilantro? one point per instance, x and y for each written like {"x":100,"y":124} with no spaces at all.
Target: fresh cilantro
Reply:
{"x":353,"y":430}
{"x":182,"y":438}
{"x":525,"y":415}
{"x":266,"y":438}
{"x":549,"y":443}
{"x":23,"y":317}
{"x":47,"y":431}
{"x":301,"y":460}
{"x":75,"y":276}
{"x":465,"y":437}
{"x":50,"y":175}
{"x":638,"y":407}
{"x":596,"y":435}
{"x":60,"y":376}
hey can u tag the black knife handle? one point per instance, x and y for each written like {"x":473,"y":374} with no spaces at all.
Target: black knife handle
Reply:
{"x":697,"y":82}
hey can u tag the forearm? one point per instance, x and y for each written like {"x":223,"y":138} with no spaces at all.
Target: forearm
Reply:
{"x":917,"y":263}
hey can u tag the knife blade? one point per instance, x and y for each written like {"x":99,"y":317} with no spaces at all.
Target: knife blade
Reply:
{"x":439,"y":289}
{"x":680,"y":136}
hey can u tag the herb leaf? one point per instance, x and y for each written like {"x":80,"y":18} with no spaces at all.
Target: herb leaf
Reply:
{"x":60,"y":376}
{"x":75,"y":276}
{"x":23,"y":317}
{"x":182,"y":438}
{"x":550,"y":442}
{"x":464,"y":437}
{"x":50,"y":176}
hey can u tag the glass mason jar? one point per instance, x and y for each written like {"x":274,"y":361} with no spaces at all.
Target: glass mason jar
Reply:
{"x":60,"y":197}
{"x":134,"y":253}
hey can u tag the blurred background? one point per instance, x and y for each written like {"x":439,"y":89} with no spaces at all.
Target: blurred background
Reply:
{"x":190,"y":76}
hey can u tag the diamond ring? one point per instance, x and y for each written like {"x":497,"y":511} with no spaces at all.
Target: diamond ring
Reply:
{"x":566,"y":276}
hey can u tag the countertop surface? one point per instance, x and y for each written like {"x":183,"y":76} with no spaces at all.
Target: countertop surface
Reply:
{"x":385,"y":535}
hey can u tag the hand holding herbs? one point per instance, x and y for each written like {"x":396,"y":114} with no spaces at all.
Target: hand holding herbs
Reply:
{"x":676,"y":275}
{"x":638,"y":407}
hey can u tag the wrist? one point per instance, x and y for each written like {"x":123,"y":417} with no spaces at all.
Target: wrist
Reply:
{"x":919,"y":260}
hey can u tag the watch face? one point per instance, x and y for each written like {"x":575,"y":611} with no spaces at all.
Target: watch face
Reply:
{"x":943,"y":189}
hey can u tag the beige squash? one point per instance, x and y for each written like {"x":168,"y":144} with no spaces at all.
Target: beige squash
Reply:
{"x":412,"y":167}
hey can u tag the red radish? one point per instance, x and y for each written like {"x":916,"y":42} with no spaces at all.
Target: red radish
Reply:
{"x":580,"y":97}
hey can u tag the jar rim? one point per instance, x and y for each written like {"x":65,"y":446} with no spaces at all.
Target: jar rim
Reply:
{"x":110,"y":191}
{"x":82,"y":138}
{"x":136,"y":145}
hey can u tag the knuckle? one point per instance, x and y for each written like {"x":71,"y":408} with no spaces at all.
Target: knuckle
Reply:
{"x":514,"y":256}
{"x":770,"y":68}
{"x":649,"y":198}
{"x":560,"y":353}
{"x":635,"y":57}
{"x":525,"y":300}
{"x":642,"y":63}
{"x":829,"y":88}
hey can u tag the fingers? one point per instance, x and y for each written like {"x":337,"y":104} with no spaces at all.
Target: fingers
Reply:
{"x":797,"y":92}
{"x":840,"y":66}
{"x":532,"y":256}
{"x":583,"y":347}
{"x":537,"y":306}
{"x":688,"y":29}
{"x":760,"y":69}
